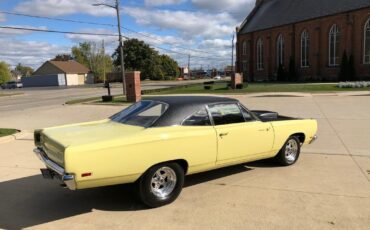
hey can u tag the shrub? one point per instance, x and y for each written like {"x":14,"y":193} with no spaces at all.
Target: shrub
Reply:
{"x":207,"y":87}
{"x":239,"y":86}
{"x":209,"y":83}
{"x":293,"y":76}
{"x":281,"y":74}
{"x":344,"y":68}
{"x":351,"y":68}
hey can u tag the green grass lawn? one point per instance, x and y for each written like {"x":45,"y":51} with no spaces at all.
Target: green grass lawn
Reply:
{"x":7,"y":132}
{"x":221,"y":88}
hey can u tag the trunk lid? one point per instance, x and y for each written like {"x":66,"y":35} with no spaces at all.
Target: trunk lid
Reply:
{"x":84,"y":133}
{"x":55,"y":140}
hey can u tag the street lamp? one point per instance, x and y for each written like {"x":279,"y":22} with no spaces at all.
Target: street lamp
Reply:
{"x":116,"y":7}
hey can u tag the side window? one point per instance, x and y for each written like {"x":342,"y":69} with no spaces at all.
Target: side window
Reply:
{"x":224,"y":114}
{"x":200,"y":118}
{"x":247,"y":115}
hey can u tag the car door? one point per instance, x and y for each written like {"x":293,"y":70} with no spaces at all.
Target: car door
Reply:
{"x":240,"y":135}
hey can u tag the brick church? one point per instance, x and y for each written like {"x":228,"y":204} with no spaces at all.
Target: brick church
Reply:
{"x":308,"y":34}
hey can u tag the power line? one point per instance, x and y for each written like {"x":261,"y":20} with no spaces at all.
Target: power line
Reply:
{"x":96,"y":34}
{"x":57,"y":19}
{"x":105,"y":24}
{"x":56,"y":31}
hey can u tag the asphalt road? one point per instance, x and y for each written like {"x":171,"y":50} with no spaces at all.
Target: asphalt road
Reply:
{"x":33,"y":98}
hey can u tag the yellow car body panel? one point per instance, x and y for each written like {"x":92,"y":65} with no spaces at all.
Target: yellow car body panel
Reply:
{"x":114,"y":153}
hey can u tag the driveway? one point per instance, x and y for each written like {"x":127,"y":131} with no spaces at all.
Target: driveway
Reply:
{"x":328,"y":188}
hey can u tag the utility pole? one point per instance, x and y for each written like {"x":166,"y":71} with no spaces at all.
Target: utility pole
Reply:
{"x":104,"y":74}
{"x":232,"y":55}
{"x":121,"y":49}
{"x":189,"y":72}
{"x":116,"y":7}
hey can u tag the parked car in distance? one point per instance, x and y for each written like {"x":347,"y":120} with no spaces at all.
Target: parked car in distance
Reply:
{"x":155,"y":143}
{"x":12,"y":85}
{"x":218,"y":77}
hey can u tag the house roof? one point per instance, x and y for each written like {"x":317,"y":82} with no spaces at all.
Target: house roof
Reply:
{"x":70,"y":67}
{"x":274,"y":13}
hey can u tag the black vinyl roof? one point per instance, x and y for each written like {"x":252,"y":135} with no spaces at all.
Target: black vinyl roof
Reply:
{"x":274,"y":13}
{"x":181,"y":107}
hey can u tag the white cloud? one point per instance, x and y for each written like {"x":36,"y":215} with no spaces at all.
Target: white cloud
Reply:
{"x":54,"y":8}
{"x":10,"y":32}
{"x":30,"y":53}
{"x":224,"y":4}
{"x":188,"y":24}
{"x":2,"y":18}
{"x":93,"y":38}
{"x":238,"y":9}
{"x":162,"y":2}
{"x":215,"y":44}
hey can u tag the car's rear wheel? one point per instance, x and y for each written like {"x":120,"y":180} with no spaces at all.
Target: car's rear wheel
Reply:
{"x":290,"y":152}
{"x":161,"y":184}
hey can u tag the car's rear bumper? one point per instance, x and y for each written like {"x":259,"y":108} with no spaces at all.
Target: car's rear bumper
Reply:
{"x":55,"y":170}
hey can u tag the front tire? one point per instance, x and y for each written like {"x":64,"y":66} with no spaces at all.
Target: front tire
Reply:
{"x":290,"y":152}
{"x":161,"y":184}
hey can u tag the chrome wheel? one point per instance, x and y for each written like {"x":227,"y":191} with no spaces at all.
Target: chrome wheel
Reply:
{"x":291,"y":150}
{"x":163,"y":182}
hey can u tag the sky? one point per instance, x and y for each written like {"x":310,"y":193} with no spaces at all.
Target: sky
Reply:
{"x":202,"y":29}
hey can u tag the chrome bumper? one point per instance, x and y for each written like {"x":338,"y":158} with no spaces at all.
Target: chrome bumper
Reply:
{"x":313,"y":139}
{"x":67,"y":179}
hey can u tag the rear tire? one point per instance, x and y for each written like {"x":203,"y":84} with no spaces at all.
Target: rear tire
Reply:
{"x":290,"y":152}
{"x":161,"y":184}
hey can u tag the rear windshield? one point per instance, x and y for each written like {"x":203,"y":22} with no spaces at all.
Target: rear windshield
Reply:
{"x":143,"y":113}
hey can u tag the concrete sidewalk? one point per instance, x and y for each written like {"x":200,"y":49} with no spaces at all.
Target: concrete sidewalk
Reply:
{"x":328,"y":188}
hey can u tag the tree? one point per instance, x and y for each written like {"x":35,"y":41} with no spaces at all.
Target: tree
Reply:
{"x":63,"y":57}
{"x":170,"y":67}
{"x":141,"y":57}
{"x":93,"y":56}
{"x":4,"y":72}
{"x":25,"y":71}
{"x":81,"y":53}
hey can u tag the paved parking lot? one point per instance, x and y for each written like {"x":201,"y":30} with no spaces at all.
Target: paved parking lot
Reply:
{"x":329,"y":188}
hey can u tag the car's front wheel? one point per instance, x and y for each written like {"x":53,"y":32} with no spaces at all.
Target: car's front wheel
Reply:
{"x":289,"y":154}
{"x":161,"y":184}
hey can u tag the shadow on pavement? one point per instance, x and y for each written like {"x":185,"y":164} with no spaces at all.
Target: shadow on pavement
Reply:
{"x":31,"y":201}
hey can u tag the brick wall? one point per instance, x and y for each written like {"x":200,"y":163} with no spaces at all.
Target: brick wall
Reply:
{"x":351,"y":26}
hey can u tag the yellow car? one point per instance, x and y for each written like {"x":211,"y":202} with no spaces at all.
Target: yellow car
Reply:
{"x":156,"y":142}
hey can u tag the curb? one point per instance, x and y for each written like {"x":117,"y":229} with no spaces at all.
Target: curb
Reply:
{"x":13,"y":137}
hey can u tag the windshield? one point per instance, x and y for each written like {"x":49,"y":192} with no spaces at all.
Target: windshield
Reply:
{"x":143,"y":113}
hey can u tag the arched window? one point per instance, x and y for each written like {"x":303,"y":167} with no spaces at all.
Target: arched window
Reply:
{"x":367,"y":42}
{"x":305,"y":49}
{"x":244,"y":48}
{"x":280,"y":50}
{"x":334,"y":46}
{"x":260,"y":57}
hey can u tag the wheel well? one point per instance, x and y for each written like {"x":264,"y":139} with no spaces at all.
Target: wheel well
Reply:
{"x":300,"y":136}
{"x":183,"y":163}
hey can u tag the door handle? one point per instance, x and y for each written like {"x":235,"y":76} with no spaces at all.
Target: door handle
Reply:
{"x":223,"y":134}
{"x":264,"y":130}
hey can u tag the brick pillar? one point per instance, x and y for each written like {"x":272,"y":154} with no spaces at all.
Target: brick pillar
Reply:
{"x":236,"y":79}
{"x":133,"y":86}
